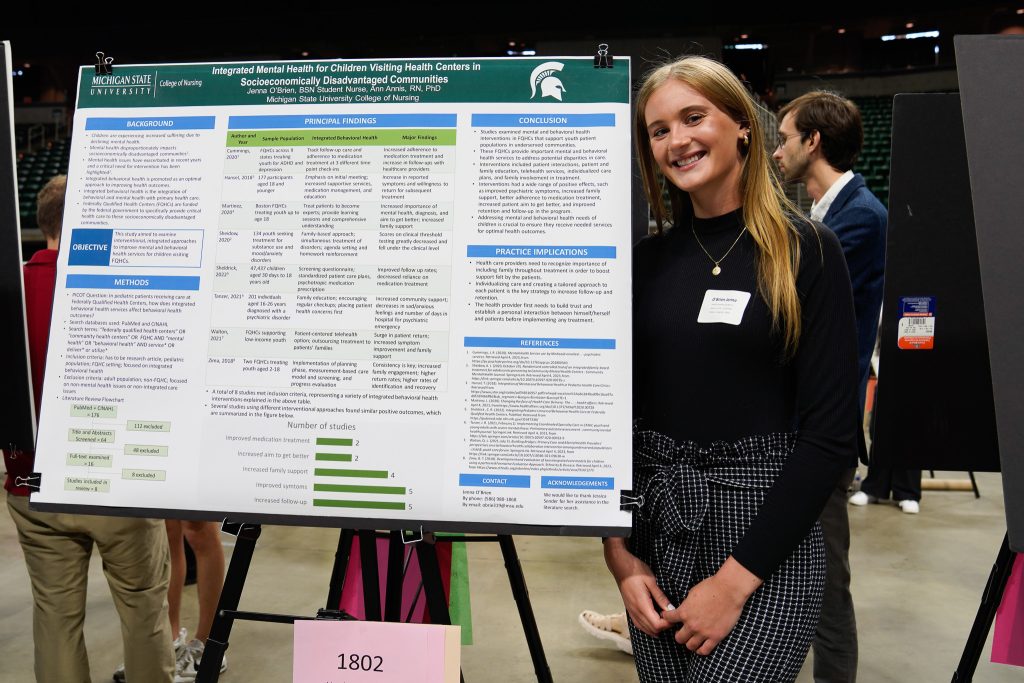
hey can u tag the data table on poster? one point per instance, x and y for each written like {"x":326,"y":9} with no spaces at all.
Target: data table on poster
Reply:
{"x":392,"y":290}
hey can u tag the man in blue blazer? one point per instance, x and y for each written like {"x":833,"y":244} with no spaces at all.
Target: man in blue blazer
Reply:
{"x":820,"y":137}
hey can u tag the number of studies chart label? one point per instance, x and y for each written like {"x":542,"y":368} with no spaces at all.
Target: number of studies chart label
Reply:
{"x":389,"y":289}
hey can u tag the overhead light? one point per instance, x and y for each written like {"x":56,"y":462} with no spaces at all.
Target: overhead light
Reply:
{"x":910,"y":24}
{"x":911,"y":36}
{"x":744,"y":36}
{"x":529,"y":53}
{"x":748,"y":46}
{"x":841,"y":31}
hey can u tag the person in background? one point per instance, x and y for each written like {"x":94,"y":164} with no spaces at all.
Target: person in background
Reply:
{"x":58,"y":546}
{"x":858,"y":218}
{"x":611,"y":627}
{"x":820,"y":138}
{"x":204,"y":539}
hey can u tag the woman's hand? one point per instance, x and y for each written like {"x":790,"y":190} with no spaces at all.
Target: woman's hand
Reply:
{"x":638,"y":587}
{"x":712,"y":607}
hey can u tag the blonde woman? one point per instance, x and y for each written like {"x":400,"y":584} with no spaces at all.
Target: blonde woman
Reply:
{"x":745,"y":394}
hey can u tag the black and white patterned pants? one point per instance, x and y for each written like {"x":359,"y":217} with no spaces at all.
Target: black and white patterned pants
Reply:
{"x":696,"y":505}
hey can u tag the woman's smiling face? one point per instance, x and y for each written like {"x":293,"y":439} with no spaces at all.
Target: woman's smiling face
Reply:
{"x":696,"y":146}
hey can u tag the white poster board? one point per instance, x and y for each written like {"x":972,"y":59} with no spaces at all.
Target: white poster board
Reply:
{"x":351,"y":293}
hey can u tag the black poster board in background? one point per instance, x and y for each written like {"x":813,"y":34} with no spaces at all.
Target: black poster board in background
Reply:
{"x":990,"y":69}
{"x":17,"y":420}
{"x":934,"y":405}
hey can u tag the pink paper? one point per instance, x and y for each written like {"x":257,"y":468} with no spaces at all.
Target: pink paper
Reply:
{"x":358,"y":651}
{"x":352,"y":588}
{"x":1008,"y":638}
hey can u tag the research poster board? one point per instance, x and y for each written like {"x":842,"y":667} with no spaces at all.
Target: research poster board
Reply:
{"x":350,"y":293}
{"x":18,"y":424}
{"x":933,"y":338}
{"x":992,"y":110}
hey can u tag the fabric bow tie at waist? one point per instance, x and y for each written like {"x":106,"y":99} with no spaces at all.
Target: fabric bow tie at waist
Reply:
{"x":672,"y":476}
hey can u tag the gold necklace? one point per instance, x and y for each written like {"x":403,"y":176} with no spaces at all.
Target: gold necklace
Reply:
{"x":717,"y":270}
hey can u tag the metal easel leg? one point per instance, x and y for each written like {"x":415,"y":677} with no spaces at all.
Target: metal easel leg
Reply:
{"x":371,"y":576}
{"x":395,"y":578}
{"x":990,"y":599}
{"x":230,"y":595}
{"x":522,"y":596}
{"x":974,"y":484}
{"x":341,"y":558}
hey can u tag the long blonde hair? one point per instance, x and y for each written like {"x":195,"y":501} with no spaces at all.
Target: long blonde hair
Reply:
{"x":764,"y":204}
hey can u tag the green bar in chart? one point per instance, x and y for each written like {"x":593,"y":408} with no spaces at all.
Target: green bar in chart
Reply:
{"x":356,"y":488}
{"x":369,"y":474}
{"x":335,"y":457}
{"x":326,"y":441}
{"x":374,"y":504}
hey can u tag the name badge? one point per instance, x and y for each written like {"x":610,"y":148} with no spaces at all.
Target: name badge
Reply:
{"x":723,"y":306}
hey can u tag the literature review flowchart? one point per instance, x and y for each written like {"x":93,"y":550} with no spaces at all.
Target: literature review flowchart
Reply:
{"x":395,"y":290}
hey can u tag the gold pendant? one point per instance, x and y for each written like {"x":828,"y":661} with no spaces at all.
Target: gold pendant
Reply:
{"x":716,"y":270}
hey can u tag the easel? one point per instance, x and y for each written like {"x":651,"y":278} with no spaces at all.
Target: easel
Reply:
{"x":934,"y":484}
{"x":248,"y":534}
{"x":930,"y":484}
{"x":939,"y":255}
{"x":990,"y":599}
{"x":984,"y":63}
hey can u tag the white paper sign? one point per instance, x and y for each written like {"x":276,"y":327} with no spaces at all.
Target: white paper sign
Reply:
{"x":723,"y":306}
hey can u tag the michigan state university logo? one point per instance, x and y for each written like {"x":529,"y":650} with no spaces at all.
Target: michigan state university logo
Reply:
{"x":117,"y":84}
{"x":545,"y":76}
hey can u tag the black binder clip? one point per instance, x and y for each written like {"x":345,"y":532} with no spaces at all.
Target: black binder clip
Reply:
{"x":323,"y":614}
{"x":628,"y":500}
{"x":412,"y":539}
{"x":103,"y":63}
{"x":240,"y":529}
{"x":32,"y":481}
{"x":603,"y":60}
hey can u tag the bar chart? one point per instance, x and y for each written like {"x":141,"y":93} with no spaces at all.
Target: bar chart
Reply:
{"x":338,"y":479}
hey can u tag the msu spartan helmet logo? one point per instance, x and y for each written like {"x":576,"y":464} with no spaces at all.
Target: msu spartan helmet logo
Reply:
{"x":550,"y":85}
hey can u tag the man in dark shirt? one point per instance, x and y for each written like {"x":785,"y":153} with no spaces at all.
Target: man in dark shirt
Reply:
{"x":57,"y":547}
{"x":820,"y":137}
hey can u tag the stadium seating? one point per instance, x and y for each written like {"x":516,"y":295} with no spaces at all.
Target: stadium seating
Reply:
{"x":34,"y":170}
{"x":873,"y":164}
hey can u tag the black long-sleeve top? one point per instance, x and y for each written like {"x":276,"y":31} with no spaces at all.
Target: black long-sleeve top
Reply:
{"x":708,"y":382}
